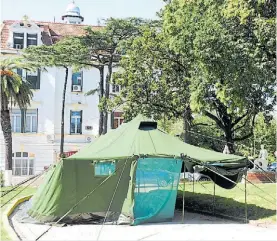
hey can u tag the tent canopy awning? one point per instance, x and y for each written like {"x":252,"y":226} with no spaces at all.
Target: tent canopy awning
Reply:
{"x":142,"y":137}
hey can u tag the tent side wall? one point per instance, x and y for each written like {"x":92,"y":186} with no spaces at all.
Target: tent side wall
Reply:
{"x":99,"y":200}
{"x":157,"y":181}
{"x":46,"y":201}
{"x":72,"y":180}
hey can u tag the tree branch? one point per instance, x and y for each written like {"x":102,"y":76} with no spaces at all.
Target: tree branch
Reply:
{"x":213,"y":117}
{"x":239,"y":119}
{"x":243,"y":125}
{"x":200,"y":124}
{"x":250,"y":133}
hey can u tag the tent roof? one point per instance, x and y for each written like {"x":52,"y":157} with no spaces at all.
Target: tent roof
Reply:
{"x":129,"y":140}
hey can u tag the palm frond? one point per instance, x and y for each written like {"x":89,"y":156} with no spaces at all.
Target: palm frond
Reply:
{"x":12,"y":84}
{"x":24,"y":96}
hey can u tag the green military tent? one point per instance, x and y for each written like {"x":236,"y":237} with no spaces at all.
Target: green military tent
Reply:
{"x":130,"y":175}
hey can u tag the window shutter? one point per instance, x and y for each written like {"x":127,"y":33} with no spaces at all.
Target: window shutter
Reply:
{"x":38,"y":80}
{"x":112,"y":120}
{"x":81,"y":121}
{"x":70,"y":122}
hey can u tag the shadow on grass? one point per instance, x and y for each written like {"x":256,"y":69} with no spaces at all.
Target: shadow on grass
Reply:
{"x":223,"y":207}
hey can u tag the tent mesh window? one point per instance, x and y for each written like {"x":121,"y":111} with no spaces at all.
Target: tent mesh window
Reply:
{"x":105,"y":168}
{"x":155,"y":194}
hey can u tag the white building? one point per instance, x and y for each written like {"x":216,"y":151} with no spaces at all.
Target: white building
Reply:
{"x":36,"y":131}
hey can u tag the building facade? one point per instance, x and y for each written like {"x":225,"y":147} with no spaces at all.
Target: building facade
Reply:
{"x":37,"y":130}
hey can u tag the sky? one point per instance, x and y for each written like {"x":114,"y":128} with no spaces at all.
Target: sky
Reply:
{"x":91,"y":10}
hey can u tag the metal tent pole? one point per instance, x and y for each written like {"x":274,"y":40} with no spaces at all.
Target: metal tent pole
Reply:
{"x":214,"y":195}
{"x":98,"y":236}
{"x":184,"y":189}
{"x":236,"y":183}
{"x":245,"y":198}
{"x":193,"y":182}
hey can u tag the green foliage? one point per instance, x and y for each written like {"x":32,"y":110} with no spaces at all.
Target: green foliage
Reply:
{"x":2,"y":182}
{"x":264,"y":134}
{"x":228,"y":59}
{"x":13,"y":87}
{"x":214,"y":57}
{"x":105,"y":47}
{"x":64,"y":53}
{"x":205,"y":133}
{"x":247,"y":10}
{"x":173,"y":126}
{"x":152,"y":77}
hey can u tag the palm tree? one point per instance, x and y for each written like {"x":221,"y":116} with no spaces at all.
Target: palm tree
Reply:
{"x":14,"y":90}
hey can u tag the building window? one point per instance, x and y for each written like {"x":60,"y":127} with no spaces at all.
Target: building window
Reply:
{"x":34,"y":79}
{"x":77,"y":82}
{"x":18,"y":40}
{"x":75,"y":122}
{"x":31,"y":124}
{"x":24,"y":121}
{"x":32,"y":39}
{"x":23,"y":164}
{"x":117,"y":119}
{"x":16,"y":120}
{"x":105,"y":168}
{"x":19,"y":72}
{"x":115,"y":88}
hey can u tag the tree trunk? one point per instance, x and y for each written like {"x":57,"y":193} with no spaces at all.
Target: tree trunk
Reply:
{"x":101,"y":94}
{"x":62,"y":117}
{"x":7,"y":131}
{"x":105,"y":122}
{"x":107,"y":94}
{"x":186,"y":124}
{"x":230,"y":141}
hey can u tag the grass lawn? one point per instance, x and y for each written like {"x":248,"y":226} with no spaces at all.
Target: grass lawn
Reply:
{"x":27,"y":191}
{"x":231,"y":202}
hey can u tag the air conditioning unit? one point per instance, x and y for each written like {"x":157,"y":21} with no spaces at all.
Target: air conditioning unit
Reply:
{"x":19,"y":46}
{"x":88,"y":128}
{"x":76,"y":88}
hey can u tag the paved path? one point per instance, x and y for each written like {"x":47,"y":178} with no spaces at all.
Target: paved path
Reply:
{"x":196,"y":227}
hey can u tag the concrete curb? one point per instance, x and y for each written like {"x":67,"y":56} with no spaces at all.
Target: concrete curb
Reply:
{"x":6,"y":214}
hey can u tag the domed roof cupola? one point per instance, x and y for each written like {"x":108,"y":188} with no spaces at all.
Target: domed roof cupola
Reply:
{"x":72,"y":14}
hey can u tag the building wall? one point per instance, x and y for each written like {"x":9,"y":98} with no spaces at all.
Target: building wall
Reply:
{"x":45,"y":144}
